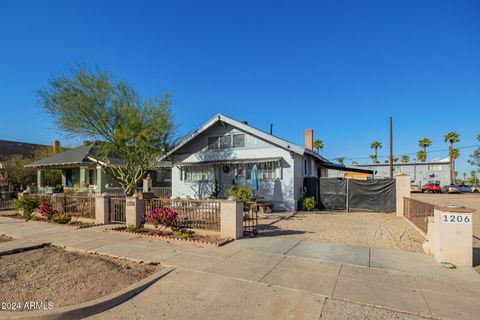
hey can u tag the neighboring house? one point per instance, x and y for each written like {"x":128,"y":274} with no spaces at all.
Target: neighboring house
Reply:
{"x":13,"y":148}
{"x":81,"y":173}
{"x":420,"y":173}
{"x":222,"y":152}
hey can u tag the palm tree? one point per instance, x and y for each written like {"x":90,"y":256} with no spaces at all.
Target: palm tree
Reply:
{"x":340,"y":160}
{"x":421,"y":156}
{"x":317,"y":145}
{"x":374,"y":158}
{"x":405,"y":159}
{"x":424,"y":143}
{"x":354,"y":163}
{"x":452,"y":137}
{"x":395,"y":159}
{"x":375,"y":145}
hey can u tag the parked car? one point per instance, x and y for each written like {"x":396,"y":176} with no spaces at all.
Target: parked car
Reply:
{"x":453,"y":188}
{"x":432,"y":187}
{"x":476,"y":189}
{"x":464,"y":188}
{"x":415,"y":188}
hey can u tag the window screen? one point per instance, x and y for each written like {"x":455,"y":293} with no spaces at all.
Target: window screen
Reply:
{"x":225,"y":142}
{"x":238,"y":140}
{"x":212,"y":142}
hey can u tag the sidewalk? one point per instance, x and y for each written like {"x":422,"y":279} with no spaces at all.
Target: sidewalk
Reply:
{"x":275,"y":277}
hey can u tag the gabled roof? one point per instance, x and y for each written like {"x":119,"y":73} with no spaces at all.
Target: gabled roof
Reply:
{"x":82,"y":155}
{"x":10,"y":148}
{"x":295,"y":148}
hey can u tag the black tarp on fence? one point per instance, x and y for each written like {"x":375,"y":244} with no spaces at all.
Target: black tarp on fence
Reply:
{"x":349,"y":195}
{"x":332,"y":194}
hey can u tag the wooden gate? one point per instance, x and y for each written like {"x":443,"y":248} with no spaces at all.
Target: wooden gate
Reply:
{"x":118,"y":210}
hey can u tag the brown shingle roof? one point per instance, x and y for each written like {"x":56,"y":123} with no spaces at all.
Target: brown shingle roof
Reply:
{"x":10,"y":148}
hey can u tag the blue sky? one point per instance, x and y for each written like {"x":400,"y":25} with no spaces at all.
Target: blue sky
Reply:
{"x":339,"y":67}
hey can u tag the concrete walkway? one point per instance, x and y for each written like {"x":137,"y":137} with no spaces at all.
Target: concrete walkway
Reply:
{"x":272,"y":278}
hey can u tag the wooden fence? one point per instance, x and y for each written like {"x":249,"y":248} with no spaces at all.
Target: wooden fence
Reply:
{"x":201,"y":214}
{"x":77,"y":205}
{"x":418,"y":212}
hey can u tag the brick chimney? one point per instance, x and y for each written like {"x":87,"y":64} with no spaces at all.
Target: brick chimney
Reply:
{"x":56,"y":145}
{"x":309,"y":139}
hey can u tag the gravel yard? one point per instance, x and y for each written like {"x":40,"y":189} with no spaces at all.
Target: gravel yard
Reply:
{"x":379,"y":230}
{"x":64,"y":278}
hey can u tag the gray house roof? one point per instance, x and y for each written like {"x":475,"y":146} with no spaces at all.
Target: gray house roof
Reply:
{"x":252,"y":130}
{"x":82,"y":155}
{"x":282,"y":143}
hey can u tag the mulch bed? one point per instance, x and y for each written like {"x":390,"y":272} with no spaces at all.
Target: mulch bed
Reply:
{"x":62,"y":278}
{"x":169,"y":236}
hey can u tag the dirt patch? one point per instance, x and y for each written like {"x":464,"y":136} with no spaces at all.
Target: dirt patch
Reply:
{"x":65,"y":278}
{"x":378,"y":230}
{"x":4,"y":238}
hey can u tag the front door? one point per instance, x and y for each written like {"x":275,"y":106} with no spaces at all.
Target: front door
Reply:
{"x":227,"y":175}
{"x":68,"y":177}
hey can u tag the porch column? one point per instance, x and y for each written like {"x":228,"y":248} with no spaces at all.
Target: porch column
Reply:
{"x":101,"y":180}
{"x":83,"y":177}
{"x":40,"y":175}
{"x":64,"y":178}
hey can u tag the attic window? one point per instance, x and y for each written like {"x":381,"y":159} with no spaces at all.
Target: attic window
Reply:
{"x":225,"y":142}
{"x":238,"y":140}
{"x":212,"y":142}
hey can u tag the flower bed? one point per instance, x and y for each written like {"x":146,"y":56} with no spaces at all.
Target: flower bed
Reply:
{"x":181,"y":236}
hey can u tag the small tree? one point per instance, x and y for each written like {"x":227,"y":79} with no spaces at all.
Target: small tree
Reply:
{"x":91,"y":105}
{"x":340,"y":160}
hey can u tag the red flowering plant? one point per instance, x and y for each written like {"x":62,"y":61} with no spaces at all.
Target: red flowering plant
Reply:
{"x":164,"y":216}
{"x":46,"y":210}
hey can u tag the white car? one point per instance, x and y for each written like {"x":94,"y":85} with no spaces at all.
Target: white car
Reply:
{"x":476,"y":189}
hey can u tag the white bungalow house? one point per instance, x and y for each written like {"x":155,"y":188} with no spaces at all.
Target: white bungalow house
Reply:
{"x":222,"y":152}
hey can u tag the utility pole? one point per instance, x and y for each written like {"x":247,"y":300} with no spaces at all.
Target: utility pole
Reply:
{"x":391,"y":149}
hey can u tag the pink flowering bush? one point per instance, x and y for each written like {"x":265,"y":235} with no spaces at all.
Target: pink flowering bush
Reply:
{"x":46,"y":210}
{"x":164,"y":216}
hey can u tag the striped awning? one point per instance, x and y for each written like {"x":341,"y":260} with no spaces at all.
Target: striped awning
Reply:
{"x":232,"y":161}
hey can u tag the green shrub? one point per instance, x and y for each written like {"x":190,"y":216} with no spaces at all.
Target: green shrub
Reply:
{"x":182,"y":235}
{"x":308,"y":203}
{"x":241,"y":193}
{"x":132,"y":228}
{"x":61,"y":218}
{"x":28,"y":205}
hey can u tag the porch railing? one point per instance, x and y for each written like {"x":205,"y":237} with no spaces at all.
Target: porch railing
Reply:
{"x":201,"y":214}
{"x":162,"y":192}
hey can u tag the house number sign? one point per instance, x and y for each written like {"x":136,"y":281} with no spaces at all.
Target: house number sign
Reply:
{"x":456,"y":218}
{"x":130,"y":203}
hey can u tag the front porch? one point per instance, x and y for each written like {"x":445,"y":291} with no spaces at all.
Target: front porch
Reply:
{"x":81,"y":179}
{"x":213,"y":179}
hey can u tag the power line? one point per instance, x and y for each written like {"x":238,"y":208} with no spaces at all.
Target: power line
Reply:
{"x":412,"y":153}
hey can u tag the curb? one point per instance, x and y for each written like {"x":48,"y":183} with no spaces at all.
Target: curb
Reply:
{"x":25,"y":248}
{"x":89,"y":308}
